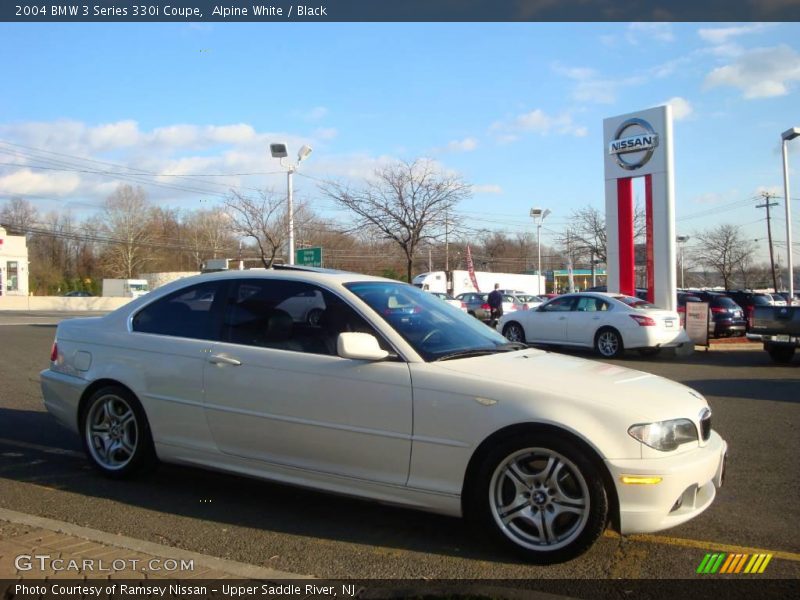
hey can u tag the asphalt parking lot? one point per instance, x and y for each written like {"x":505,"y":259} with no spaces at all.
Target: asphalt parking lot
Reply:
{"x":756,"y":408}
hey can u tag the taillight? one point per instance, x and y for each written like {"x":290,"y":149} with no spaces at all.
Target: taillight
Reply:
{"x":463,"y":305}
{"x":643,"y":321}
{"x":525,"y":307}
{"x":717,"y":310}
{"x":54,"y":352}
{"x":486,"y":307}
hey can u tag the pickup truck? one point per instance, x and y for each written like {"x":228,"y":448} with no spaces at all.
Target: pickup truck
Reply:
{"x":779,"y":328}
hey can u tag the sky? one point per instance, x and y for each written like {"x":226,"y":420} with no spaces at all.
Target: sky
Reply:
{"x":188,"y":111}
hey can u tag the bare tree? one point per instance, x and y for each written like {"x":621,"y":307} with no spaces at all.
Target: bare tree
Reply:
{"x":18,"y":215}
{"x":127,"y":222}
{"x":585,"y":239}
{"x":406,"y":202}
{"x":208,"y":234}
{"x":723,"y":250}
{"x":264,"y":219}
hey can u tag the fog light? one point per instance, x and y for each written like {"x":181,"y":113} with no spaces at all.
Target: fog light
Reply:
{"x":641,"y":479}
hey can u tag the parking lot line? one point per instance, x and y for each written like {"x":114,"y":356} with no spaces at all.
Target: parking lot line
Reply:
{"x":705,"y":545}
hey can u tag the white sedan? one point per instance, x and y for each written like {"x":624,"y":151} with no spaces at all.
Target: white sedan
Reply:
{"x":609,"y":323}
{"x":390,"y":395}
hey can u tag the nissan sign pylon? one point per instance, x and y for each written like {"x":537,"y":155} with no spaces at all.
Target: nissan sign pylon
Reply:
{"x":640,"y":145}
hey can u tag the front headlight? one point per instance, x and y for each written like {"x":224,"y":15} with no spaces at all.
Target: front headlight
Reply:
{"x":665,"y":435}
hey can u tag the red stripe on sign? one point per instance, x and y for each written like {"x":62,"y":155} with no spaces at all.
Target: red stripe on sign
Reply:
{"x":627,"y":263}
{"x":648,"y":220}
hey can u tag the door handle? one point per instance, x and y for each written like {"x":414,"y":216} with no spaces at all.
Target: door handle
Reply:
{"x":221,"y":359}
{"x":561,"y":318}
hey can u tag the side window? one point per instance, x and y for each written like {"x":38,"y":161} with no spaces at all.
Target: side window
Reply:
{"x":190,"y":313}
{"x":559,"y":305}
{"x":289,"y":315}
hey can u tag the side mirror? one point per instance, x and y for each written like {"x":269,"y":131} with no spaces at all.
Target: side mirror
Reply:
{"x":359,"y":346}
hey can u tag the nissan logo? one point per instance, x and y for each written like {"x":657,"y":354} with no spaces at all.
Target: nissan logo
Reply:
{"x":639,"y":143}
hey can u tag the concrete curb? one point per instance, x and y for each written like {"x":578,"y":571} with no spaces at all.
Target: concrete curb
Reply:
{"x":241,"y":570}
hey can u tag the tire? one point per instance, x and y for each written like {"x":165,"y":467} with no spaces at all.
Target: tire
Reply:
{"x":608,"y":343}
{"x":541,"y":496}
{"x":514,"y":332}
{"x":115,"y":433}
{"x":781,"y":354}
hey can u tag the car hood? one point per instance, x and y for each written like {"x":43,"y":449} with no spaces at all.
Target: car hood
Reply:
{"x":638,"y":394}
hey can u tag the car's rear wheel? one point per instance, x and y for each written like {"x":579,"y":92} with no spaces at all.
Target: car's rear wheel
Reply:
{"x":542,"y":496}
{"x":608,"y":343}
{"x":116,"y":435}
{"x":514,"y":332}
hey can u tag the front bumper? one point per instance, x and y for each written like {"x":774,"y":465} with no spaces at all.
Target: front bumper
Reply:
{"x":688,"y":486}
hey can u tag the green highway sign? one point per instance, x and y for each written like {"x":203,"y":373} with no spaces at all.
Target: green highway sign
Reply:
{"x":308,"y":257}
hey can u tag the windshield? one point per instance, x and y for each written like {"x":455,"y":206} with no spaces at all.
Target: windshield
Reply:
{"x":435,"y":329}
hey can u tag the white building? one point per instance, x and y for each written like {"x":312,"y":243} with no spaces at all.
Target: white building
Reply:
{"x":13,"y":265}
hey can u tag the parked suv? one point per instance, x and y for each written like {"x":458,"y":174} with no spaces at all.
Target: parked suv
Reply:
{"x":748,"y":300}
{"x":727,"y":318}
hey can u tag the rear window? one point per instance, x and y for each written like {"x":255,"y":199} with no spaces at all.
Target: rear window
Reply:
{"x":634,"y":302}
{"x":724,"y":302}
{"x":761,"y":300}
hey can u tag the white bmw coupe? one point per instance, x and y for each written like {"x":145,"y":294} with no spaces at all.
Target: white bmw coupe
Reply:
{"x":391,"y":395}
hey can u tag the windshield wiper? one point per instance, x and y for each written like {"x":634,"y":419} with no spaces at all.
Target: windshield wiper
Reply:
{"x":468,"y":353}
{"x":514,"y":346}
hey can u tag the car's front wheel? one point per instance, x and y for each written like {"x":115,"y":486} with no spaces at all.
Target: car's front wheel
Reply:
{"x":514,"y":332}
{"x":116,"y":435}
{"x":542,"y":496}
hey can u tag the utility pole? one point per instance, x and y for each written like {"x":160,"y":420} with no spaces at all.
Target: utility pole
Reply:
{"x":767,"y":204}
{"x":446,"y":244}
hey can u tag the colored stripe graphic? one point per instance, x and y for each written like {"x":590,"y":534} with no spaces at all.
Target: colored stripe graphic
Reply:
{"x":722,"y":563}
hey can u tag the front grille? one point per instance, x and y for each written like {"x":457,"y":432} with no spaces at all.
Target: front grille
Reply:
{"x":705,"y":424}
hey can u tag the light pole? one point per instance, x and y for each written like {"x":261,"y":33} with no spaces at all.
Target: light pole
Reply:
{"x":279,"y":151}
{"x":682,"y":239}
{"x":787,"y":135}
{"x":538,"y":216}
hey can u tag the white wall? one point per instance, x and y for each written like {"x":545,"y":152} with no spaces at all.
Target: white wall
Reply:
{"x":61,"y":303}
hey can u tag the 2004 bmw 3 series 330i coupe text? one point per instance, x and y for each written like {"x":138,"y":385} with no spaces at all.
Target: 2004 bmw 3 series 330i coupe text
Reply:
{"x":387,"y":393}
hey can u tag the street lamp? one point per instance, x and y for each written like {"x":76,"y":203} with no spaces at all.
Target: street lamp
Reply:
{"x":682,"y":239}
{"x":279,"y":151}
{"x":787,"y":135}
{"x":538,"y":217}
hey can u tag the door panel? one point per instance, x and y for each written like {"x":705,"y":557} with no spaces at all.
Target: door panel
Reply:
{"x":311,"y":411}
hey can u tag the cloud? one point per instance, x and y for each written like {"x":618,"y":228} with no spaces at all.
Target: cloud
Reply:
{"x":538,"y":122}
{"x":681,"y":108}
{"x":487,"y":189}
{"x":80,"y":162}
{"x":590,"y":86}
{"x":26,"y":182}
{"x":723,"y":35}
{"x":326,"y":133}
{"x":316,"y":113}
{"x":466,"y":145}
{"x":759,"y":73}
{"x":661,"y":32}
